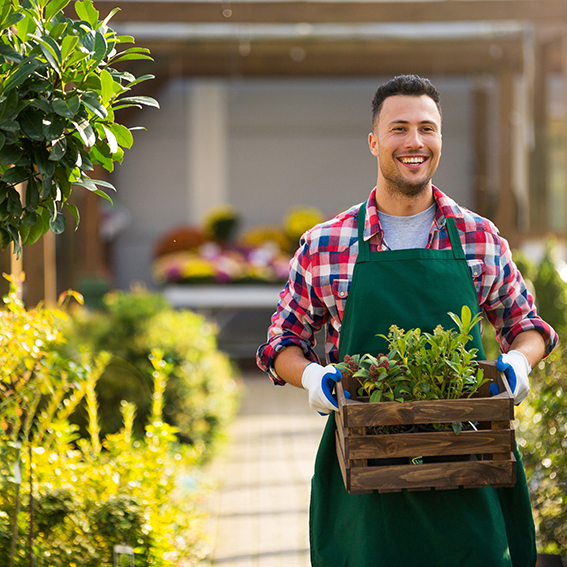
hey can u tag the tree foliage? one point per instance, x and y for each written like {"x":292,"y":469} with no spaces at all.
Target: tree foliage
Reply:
{"x":59,"y":93}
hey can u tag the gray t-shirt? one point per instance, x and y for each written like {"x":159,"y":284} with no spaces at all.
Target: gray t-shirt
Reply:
{"x":401,"y":233}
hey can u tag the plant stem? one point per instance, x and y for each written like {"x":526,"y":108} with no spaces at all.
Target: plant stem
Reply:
{"x":17,"y":475}
{"x":31,"y":507}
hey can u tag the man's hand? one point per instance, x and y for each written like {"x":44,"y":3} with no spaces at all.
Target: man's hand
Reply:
{"x":516,"y":368}
{"x":319,"y":381}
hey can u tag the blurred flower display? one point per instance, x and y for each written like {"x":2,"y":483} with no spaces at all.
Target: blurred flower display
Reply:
{"x":214,"y":254}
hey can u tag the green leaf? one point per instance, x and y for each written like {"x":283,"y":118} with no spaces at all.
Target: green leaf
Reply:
{"x":140,"y":80}
{"x":75,"y":212}
{"x":124,"y":39}
{"x":11,"y":20}
{"x":32,"y":193}
{"x":58,"y":149}
{"x":25,"y":27}
{"x":132,"y":57}
{"x":104,"y":160}
{"x":15,"y":238}
{"x":15,"y":175}
{"x":54,"y":7}
{"x":85,"y":131}
{"x":111,"y":138}
{"x":91,"y":185}
{"x":68,"y":45}
{"x":146,"y":100}
{"x":94,"y":105}
{"x":41,"y":104}
{"x":32,"y":126}
{"x":32,"y":234}
{"x":10,"y":54}
{"x":51,"y":51}
{"x":123,"y":135}
{"x":100,"y":48}
{"x":45,"y":167}
{"x":57,"y":223}
{"x":10,"y":155}
{"x":66,"y":108}
{"x":2,"y":140}
{"x":10,"y":126}
{"x":86,"y":11}
{"x":107,"y":87}
{"x":53,"y":127}
{"x":20,"y":75}
{"x":110,"y":15}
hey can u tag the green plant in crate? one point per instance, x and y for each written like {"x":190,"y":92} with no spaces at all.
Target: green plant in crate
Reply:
{"x":59,"y":93}
{"x":421,"y":366}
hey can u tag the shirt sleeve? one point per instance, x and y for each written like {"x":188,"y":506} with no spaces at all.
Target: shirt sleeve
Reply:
{"x":299,"y":315}
{"x":510,"y":307}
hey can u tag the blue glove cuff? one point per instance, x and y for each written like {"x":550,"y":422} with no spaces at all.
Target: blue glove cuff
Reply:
{"x":508,"y":370}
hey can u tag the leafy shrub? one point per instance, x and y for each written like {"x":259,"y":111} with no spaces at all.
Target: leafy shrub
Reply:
{"x":201,"y":397}
{"x":88,"y":492}
{"x":542,"y":435}
{"x":58,"y":95}
{"x":551,"y":290}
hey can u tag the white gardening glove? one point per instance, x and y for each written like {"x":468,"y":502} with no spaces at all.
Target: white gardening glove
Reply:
{"x":319,"y":381}
{"x":516,"y":368}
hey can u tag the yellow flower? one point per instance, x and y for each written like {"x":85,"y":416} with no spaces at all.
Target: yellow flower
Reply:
{"x":300,"y":219}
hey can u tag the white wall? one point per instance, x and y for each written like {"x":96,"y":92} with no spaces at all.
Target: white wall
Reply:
{"x":289,"y":142}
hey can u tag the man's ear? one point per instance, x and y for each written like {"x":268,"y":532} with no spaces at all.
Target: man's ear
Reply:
{"x":373,"y":144}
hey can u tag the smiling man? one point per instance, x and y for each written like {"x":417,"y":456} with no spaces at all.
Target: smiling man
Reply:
{"x":407,"y":256}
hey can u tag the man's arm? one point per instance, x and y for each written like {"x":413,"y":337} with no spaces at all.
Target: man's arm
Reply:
{"x":290,"y":364}
{"x":532,"y":345}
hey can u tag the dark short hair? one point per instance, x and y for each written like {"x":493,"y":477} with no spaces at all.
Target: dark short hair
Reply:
{"x":408,"y":85}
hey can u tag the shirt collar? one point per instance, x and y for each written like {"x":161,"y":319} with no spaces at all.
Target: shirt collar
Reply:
{"x":446,"y":207}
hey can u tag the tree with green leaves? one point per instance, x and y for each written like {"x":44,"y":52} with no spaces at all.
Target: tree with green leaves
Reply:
{"x":58,"y":96}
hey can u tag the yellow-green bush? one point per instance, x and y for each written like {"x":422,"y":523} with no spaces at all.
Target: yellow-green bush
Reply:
{"x":76,"y":496}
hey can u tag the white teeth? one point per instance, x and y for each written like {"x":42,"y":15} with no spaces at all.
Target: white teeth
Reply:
{"x":412,"y":160}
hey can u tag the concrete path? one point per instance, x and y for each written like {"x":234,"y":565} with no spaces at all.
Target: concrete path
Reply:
{"x":259,"y":513}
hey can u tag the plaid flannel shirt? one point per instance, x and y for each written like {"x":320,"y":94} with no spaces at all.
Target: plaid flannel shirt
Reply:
{"x":321,"y":272}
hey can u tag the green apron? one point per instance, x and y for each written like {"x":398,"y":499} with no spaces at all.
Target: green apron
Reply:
{"x":473,"y":527}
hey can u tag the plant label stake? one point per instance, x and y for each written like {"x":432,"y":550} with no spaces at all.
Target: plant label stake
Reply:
{"x":123,"y":550}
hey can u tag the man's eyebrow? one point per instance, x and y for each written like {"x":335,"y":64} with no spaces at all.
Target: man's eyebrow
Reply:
{"x":401,"y":121}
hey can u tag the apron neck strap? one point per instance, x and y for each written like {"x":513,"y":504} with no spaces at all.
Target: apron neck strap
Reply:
{"x":364,"y":245}
{"x":455,"y":239}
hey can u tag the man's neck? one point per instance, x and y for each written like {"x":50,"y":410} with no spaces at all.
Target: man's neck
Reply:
{"x":397,"y":204}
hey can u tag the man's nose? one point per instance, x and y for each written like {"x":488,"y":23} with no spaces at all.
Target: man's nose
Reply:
{"x":414,"y":139}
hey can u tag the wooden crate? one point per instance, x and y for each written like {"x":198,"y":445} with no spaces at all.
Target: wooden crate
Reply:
{"x":489,"y":448}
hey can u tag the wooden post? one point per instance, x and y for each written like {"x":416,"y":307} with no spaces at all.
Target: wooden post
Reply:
{"x":480,"y":139}
{"x":506,"y":214}
{"x":539,"y":163}
{"x":49,"y":270}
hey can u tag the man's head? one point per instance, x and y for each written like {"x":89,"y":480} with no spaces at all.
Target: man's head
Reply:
{"x":406,"y":139}
{"x":407,"y":85}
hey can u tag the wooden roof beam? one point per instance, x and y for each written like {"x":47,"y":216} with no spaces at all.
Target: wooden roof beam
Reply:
{"x":293,"y":11}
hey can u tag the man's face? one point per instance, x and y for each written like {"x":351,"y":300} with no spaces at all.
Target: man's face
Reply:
{"x":407,"y":142}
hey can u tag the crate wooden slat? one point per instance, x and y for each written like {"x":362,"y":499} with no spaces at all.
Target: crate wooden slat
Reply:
{"x":489,"y":449}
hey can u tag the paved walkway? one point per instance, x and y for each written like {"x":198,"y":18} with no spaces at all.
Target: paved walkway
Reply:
{"x":260,"y":509}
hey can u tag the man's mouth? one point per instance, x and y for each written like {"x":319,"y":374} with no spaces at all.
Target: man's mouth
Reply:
{"x":412,"y":160}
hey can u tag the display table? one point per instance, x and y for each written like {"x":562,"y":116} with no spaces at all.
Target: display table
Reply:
{"x":223,"y":296}
{"x":240,"y":311}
